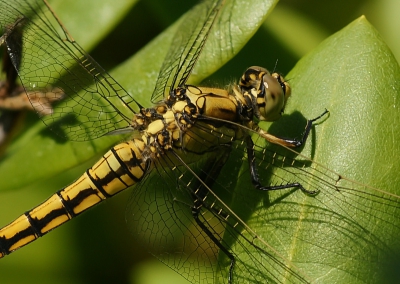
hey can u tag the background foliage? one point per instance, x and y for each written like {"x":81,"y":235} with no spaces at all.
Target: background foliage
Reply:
{"x":97,"y":247}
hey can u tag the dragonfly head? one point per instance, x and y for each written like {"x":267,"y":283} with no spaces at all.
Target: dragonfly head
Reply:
{"x":268,"y":92}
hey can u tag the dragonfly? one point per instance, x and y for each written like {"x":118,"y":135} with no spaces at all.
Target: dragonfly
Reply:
{"x":182,"y":163}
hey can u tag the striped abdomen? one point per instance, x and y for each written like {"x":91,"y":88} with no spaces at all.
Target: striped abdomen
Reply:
{"x":118,"y":169}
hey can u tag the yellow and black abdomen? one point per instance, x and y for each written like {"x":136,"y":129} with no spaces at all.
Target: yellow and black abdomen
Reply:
{"x":118,"y":169}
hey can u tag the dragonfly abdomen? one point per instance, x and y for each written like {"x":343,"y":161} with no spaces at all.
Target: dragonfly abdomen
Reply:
{"x":120,"y":168}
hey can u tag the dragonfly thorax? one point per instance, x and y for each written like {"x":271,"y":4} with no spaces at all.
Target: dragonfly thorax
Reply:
{"x":259,"y":93}
{"x":165,"y":126}
{"x":267,"y":92}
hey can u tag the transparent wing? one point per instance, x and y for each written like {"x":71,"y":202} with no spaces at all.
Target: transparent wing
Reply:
{"x":348,"y":229}
{"x":161,"y":213}
{"x":275,"y":236}
{"x":51,"y":65}
{"x":186,"y":47}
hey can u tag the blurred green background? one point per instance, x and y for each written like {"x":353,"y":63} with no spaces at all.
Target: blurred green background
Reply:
{"x":97,"y":247}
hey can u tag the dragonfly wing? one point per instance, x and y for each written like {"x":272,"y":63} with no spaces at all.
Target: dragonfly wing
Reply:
{"x":283,"y":235}
{"x":163,"y":210}
{"x":345,"y":230}
{"x":186,"y":47}
{"x":51,"y":66}
{"x":159,"y":213}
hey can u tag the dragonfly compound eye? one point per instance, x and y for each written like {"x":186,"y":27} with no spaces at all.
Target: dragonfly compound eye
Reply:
{"x":269,"y":93}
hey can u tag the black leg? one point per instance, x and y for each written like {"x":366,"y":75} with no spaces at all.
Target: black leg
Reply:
{"x":199,"y":192}
{"x":293,"y":143}
{"x":256,"y":180}
{"x":203,"y":226}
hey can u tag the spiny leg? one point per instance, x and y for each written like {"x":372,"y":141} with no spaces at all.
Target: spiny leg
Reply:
{"x":281,"y":141}
{"x":203,"y":226}
{"x":199,"y":195}
{"x":256,"y":180}
{"x":292,"y":143}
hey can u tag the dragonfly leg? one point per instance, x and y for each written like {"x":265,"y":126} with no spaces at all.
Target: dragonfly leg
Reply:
{"x":204,"y":227}
{"x":256,"y":180}
{"x":200,"y":205}
{"x":292,"y":143}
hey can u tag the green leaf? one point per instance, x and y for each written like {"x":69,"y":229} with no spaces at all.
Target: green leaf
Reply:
{"x":294,"y":30}
{"x":348,"y":233}
{"x":354,"y":75}
{"x":98,"y":17}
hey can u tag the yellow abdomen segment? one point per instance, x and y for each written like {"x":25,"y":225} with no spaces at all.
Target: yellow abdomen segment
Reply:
{"x":118,"y":169}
